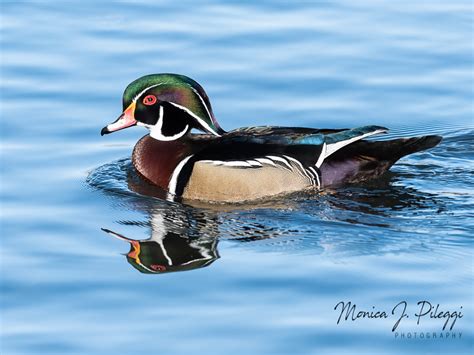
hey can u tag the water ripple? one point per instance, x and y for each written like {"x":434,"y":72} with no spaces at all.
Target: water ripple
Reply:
{"x":399,"y":205}
{"x":266,"y":277}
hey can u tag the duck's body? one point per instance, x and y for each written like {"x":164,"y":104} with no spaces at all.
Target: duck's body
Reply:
{"x":247,"y":163}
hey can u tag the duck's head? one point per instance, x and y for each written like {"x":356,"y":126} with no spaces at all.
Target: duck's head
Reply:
{"x":169,"y":252}
{"x":169,"y":105}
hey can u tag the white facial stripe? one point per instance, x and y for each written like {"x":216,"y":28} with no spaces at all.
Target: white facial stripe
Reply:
{"x":144,"y":90}
{"x":175,"y":175}
{"x":202,"y":122}
{"x":155,"y":131}
{"x":202,"y":100}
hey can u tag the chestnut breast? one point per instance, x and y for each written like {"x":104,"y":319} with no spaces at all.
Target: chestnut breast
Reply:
{"x":155,"y":160}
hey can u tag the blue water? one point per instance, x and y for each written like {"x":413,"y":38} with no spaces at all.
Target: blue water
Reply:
{"x":268,"y":276}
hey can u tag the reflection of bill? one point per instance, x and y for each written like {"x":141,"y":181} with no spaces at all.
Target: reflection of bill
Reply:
{"x":168,"y":251}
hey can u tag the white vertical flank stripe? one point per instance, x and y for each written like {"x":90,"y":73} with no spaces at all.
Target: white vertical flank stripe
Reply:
{"x":175,"y":175}
{"x":321,"y":156}
{"x":317,"y":176}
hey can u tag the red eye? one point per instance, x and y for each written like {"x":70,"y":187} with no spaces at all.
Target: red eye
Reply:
{"x":149,"y":100}
{"x":158,"y":267}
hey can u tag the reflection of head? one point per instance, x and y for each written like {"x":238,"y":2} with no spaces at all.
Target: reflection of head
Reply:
{"x":172,"y":246}
{"x":171,"y":253}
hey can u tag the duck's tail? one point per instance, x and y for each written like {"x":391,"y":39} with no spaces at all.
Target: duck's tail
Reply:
{"x":362,"y":160}
{"x":397,"y":148}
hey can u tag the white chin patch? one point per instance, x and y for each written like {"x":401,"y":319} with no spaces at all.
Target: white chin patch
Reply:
{"x":156,"y":132}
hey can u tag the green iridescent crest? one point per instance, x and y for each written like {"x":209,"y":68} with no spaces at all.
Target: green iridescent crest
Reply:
{"x":179,"y":90}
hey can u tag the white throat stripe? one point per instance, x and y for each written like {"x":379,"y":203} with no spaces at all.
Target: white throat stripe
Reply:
{"x":156,"y":130}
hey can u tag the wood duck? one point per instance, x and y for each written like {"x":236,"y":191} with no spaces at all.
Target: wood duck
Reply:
{"x":169,"y":253}
{"x":178,"y":241}
{"x":246,"y":163}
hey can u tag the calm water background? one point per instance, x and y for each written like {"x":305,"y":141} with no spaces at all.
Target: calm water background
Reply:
{"x":283,"y":266}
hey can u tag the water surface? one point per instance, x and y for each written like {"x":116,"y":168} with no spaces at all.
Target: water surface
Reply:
{"x":243,"y":279}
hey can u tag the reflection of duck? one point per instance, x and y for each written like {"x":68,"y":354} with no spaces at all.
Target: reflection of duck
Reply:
{"x":169,"y":251}
{"x":247,"y":163}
